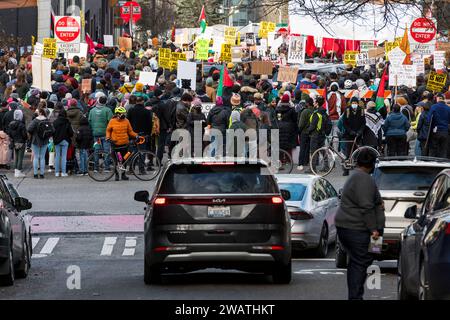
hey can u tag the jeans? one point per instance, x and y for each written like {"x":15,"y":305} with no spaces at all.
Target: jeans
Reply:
{"x":104,"y":146}
{"x":61,"y":157}
{"x":417,"y":149}
{"x":83,"y":156}
{"x":39,"y":158}
{"x":18,"y":157}
{"x":356,"y":244}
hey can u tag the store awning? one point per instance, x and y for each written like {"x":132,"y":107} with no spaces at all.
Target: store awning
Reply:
{"x":14,"y":4}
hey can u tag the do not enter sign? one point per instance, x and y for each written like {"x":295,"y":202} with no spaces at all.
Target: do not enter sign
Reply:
{"x":67,"y":29}
{"x":423,"y":30}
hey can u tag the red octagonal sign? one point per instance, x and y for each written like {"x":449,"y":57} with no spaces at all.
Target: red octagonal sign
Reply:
{"x":67,"y":29}
{"x":423,"y":30}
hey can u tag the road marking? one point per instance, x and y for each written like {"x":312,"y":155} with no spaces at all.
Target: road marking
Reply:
{"x":34,"y":242}
{"x":108,"y":246}
{"x":321,"y":271}
{"x":49,"y":246}
{"x":130,"y":246}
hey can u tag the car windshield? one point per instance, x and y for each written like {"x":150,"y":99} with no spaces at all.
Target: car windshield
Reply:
{"x":217,"y":179}
{"x":405,"y":178}
{"x":297,"y":190}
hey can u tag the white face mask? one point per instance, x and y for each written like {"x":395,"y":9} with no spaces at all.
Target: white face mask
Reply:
{"x":354,"y":106}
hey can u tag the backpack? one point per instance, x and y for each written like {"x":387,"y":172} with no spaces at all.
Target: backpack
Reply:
{"x":45,"y":129}
{"x":327,"y":124}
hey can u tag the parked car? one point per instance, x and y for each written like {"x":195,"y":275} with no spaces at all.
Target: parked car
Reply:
{"x":15,"y":234}
{"x":424,"y":262}
{"x":312,"y":208}
{"x":215,"y":214}
{"x":403,"y":182}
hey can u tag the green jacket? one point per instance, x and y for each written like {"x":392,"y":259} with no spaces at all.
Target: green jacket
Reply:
{"x":303,"y":121}
{"x":99,"y":118}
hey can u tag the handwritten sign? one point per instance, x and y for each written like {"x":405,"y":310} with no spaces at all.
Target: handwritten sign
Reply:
{"x":350,"y":57}
{"x":50,"y":50}
{"x":202,"y":48}
{"x":436,"y":81}
{"x":287,"y":74}
{"x":230,"y":35}
{"x":225,"y":52}
{"x":174,"y":57}
{"x":164,"y":57}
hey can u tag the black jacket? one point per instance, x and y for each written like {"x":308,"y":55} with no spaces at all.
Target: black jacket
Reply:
{"x":286,"y":118}
{"x":63,"y":130}
{"x":141,"y":119}
{"x":218,"y":118}
{"x":9,"y":117}
{"x":17,"y":131}
{"x":354,"y":122}
{"x":192,"y":117}
{"x":182,"y":113}
{"x":166,"y":112}
{"x":84,"y":139}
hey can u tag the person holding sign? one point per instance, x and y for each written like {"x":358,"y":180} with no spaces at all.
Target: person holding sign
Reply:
{"x":439,"y":118}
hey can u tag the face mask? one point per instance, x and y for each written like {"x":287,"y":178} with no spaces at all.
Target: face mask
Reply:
{"x":122,"y":116}
{"x":354,"y":106}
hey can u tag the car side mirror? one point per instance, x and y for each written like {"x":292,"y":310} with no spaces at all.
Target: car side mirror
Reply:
{"x":340,"y":193}
{"x":411,"y":212}
{"x":142,"y":196}
{"x":22,"y":204}
{"x":285,"y":194}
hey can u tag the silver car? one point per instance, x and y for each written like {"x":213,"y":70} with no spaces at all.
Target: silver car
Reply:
{"x":312,"y":208}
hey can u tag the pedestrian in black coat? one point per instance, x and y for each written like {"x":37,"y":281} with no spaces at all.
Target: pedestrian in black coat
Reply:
{"x":286,"y":119}
{"x":141,"y":119}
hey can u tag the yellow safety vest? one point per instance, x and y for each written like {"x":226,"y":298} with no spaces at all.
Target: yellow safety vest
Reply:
{"x":319,"y":124}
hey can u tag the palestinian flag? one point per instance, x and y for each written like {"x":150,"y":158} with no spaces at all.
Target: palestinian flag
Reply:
{"x":202,"y":20}
{"x":225,"y":81}
{"x":379,"y":102}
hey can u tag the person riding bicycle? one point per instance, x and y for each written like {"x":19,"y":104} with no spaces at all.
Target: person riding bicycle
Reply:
{"x":119,"y":131}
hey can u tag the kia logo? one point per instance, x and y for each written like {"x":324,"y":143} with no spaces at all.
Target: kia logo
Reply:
{"x":218,"y":200}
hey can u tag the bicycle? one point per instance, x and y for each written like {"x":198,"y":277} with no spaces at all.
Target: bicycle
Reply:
{"x":284,"y":164}
{"x":144,"y":164}
{"x":323,"y":160}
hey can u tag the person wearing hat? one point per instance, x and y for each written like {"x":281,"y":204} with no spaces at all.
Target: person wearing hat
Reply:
{"x":139,"y":91}
{"x":439,"y":119}
{"x":354,"y":122}
{"x":210,"y":90}
{"x":258,"y":99}
{"x":18,"y":135}
{"x":373,"y":134}
{"x":359,"y":218}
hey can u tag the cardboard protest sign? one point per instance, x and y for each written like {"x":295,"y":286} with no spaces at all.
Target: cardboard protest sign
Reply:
{"x":174,"y":57}
{"x":186,"y":75}
{"x":108,"y":39}
{"x":49,"y":51}
{"x":363,"y":59}
{"x":217,"y":44}
{"x":164,"y":57}
{"x":38,"y":49}
{"x":350,"y":57}
{"x":403,"y":75}
{"x":86,"y":85}
{"x":125,"y":44}
{"x":439,"y":60}
{"x":225,"y":52}
{"x":42,"y":73}
{"x":147,"y":78}
{"x":262,"y":67}
{"x":82,"y":53}
{"x":419,"y":62}
{"x":436,"y":81}
{"x":230,"y":35}
{"x":296,"y":54}
{"x":376,"y":53}
{"x":201,"y":49}
{"x":396,"y":57}
{"x":287,"y":74}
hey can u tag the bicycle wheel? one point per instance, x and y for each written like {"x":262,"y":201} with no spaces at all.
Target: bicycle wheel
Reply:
{"x":103,"y":169}
{"x":285,"y":164}
{"x":145,"y":165}
{"x":322,"y":161}
{"x":354,"y":156}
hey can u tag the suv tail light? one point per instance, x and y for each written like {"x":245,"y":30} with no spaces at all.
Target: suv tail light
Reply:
{"x":160,"y":201}
{"x":300,"y":215}
{"x":277,"y":200}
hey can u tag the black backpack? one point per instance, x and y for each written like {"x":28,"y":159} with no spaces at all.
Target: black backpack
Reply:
{"x":45,"y":129}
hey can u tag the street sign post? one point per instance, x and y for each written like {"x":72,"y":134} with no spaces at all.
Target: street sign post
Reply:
{"x":131,"y":12}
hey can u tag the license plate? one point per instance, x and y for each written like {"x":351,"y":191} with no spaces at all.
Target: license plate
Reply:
{"x":219,"y":212}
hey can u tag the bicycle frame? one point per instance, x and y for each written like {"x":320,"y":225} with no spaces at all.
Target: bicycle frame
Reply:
{"x":345,"y":161}
{"x":122,"y":166}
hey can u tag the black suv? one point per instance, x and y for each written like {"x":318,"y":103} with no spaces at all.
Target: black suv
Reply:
{"x":15,"y":234}
{"x":226,"y":215}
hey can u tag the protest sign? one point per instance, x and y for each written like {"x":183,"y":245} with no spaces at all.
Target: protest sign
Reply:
{"x":206,"y":107}
{"x":287,"y":74}
{"x":42,"y":73}
{"x":422,"y":36}
{"x":49,"y":50}
{"x":202,"y":48}
{"x":230,"y":35}
{"x":174,"y":57}
{"x":263,"y":29}
{"x":225,"y":52}
{"x":275,"y":45}
{"x":418,"y":61}
{"x":390,"y":45}
{"x":38,"y":49}
{"x":376,"y":53}
{"x":365,"y":46}
{"x":181,"y":36}
{"x":350,"y":57}
{"x":238,"y":39}
{"x":236,"y":55}
{"x":403,"y":75}
{"x":164,"y":57}
{"x":396,"y":57}
{"x":439,"y":60}
{"x":147,"y":78}
{"x":296,"y":53}
{"x":186,"y":75}
{"x":250,"y":39}
{"x":86,"y":85}
{"x":217,"y":43}
{"x":108,"y":39}
{"x":189,"y":55}
{"x":363,"y":59}
{"x":82,"y":53}
{"x":262,"y":67}
{"x":436,"y":81}
{"x":125,"y":44}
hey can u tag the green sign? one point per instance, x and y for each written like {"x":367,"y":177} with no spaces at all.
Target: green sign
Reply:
{"x":202,"y":49}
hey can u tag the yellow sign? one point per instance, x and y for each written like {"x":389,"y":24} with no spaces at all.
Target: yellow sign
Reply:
{"x":436,"y":81}
{"x":230,"y":35}
{"x":164,"y":55}
{"x":271,"y":26}
{"x":238,"y":39}
{"x":389,"y":45}
{"x":174,"y":57}
{"x":50,"y":50}
{"x":350,"y":57}
{"x":264,"y":28}
{"x":202,"y":49}
{"x":225,"y":52}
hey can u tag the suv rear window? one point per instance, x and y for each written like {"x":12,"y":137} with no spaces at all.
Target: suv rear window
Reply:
{"x":217,"y":179}
{"x":405,"y":178}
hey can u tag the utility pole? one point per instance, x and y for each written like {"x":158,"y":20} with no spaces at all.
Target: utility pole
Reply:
{"x":62,"y":8}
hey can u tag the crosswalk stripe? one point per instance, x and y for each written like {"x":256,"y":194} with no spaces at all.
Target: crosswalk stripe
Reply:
{"x":34,"y":241}
{"x":108,"y":246}
{"x":130,"y":246}
{"x":49,"y":245}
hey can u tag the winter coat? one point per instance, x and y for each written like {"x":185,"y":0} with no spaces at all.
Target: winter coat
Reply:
{"x":99,"y":117}
{"x":396,"y":124}
{"x":84,"y":137}
{"x":182,"y":114}
{"x":334,"y":111}
{"x":374,"y":121}
{"x":17,"y":132}
{"x":119,"y":131}
{"x":249,"y":119}
{"x":286,"y":118}
{"x":192,"y":118}
{"x":218,"y":118}
{"x":211,"y":93}
{"x":423,"y":126}
{"x":313,"y":120}
{"x":63,"y":131}
{"x":303,"y":121}
{"x":74,"y":115}
{"x":141,"y":119}
{"x":440,"y":113}
{"x":354,"y":122}
{"x":32,"y":130}
{"x":166,"y":111}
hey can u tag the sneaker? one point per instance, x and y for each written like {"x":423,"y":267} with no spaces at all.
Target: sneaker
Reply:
{"x":85,"y":174}
{"x":20,"y":174}
{"x":57,"y":174}
{"x":64,"y":175}
{"x":300,"y":168}
{"x":80,"y":174}
{"x":36,"y":176}
{"x":41,"y":176}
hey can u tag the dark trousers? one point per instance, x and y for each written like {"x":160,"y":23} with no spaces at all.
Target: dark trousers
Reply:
{"x":438,"y":144}
{"x":396,"y":146}
{"x":316,"y":142}
{"x":424,"y":148}
{"x":123,"y":151}
{"x":356,"y":244}
{"x":162,"y":142}
{"x":303,"y":156}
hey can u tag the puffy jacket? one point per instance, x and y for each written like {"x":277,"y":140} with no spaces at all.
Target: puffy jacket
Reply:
{"x":63,"y":130}
{"x":119,"y":131}
{"x":166,"y":111}
{"x":99,"y":117}
{"x":74,"y":115}
{"x":303,"y":121}
{"x":354,"y":122}
{"x":396,"y":124}
{"x":17,"y":131}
